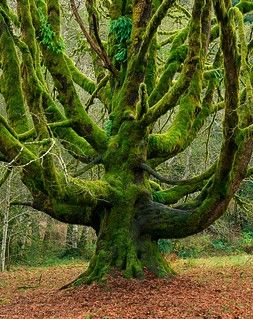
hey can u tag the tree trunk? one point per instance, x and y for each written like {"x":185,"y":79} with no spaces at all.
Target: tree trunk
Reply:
{"x":121,"y":247}
{"x":4,"y":238}
{"x":6,"y":211}
{"x":71,"y":246}
{"x":72,"y":237}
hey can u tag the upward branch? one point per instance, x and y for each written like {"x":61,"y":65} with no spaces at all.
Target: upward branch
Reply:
{"x":171,"y":98}
{"x":153,"y":25}
{"x":10,"y":65}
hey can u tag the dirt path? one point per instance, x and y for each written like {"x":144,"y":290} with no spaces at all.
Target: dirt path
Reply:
{"x":199,"y":291}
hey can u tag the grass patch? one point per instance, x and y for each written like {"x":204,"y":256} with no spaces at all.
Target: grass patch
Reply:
{"x":214,"y":262}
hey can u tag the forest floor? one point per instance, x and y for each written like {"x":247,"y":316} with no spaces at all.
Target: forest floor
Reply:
{"x":218,"y":287}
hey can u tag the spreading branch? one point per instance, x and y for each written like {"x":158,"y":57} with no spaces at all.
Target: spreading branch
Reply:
{"x":171,"y":98}
{"x":166,"y":180}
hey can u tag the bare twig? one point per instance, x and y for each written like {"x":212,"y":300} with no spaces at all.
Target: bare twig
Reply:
{"x":88,"y":166}
{"x":95,"y":46}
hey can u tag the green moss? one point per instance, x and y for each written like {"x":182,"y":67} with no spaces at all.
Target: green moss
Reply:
{"x":151,"y":69}
{"x":15,"y":105}
{"x":115,"y":9}
{"x":180,"y":38}
{"x":79,"y":78}
{"x":173,"y":64}
{"x":48,"y":37}
{"x":142,"y":106}
{"x":174,"y":194}
{"x":9,"y":13}
{"x":69,"y":98}
{"x":74,"y":143}
{"x":245,"y":6}
{"x":28,"y":32}
{"x":54,"y":16}
{"x":177,"y":136}
{"x":153,"y":260}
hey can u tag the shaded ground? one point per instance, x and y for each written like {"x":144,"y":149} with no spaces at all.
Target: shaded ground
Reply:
{"x":205,"y":288}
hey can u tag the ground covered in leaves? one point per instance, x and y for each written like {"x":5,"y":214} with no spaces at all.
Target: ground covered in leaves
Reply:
{"x":204,"y":288}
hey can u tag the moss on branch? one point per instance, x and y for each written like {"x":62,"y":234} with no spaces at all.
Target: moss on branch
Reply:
{"x":79,"y":78}
{"x":171,"y":98}
{"x":152,"y":26}
{"x":183,"y":188}
{"x":173,"y":64}
{"x":245,"y":6}
{"x":10,"y":64}
{"x":68,"y":96}
{"x":71,"y":141}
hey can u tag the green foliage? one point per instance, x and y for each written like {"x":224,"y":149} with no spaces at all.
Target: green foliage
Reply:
{"x":235,"y":2}
{"x":157,"y":196}
{"x":85,"y":252}
{"x":248,"y":18}
{"x":121,"y":29}
{"x":222,"y":245}
{"x":246,"y":241}
{"x":215,"y":75}
{"x":48,"y":37}
{"x":108,"y":127}
{"x":209,"y":245}
{"x":165,"y":246}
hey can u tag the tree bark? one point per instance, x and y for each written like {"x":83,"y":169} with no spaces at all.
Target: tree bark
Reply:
{"x":6,"y":214}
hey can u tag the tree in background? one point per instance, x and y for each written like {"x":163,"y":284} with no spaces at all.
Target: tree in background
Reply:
{"x":126,"y":208}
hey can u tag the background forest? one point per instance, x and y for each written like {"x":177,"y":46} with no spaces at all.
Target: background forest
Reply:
{"x":31,"y":237}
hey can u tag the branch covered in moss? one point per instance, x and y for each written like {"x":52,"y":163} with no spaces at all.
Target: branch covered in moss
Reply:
{"x":153,"y":25}
{"x":171,"y":98}
{"x":174,"y":194}
{"x":72,"y":142}
{"x":89,"y":166}
{"x":245,"y":69}
{"x":188,"y":121}
{"x":79,"y":78}
{"x":10,"y":64}
{"x":9,"y":13}
{"x":189,"y":181}
{"x":65,"y":205}
{"x":245,"y":6}
{"x":160,"y":221}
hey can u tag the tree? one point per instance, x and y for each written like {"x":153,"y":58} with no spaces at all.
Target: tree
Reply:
{"x":125,"y":207}
{"x":6,"y":212}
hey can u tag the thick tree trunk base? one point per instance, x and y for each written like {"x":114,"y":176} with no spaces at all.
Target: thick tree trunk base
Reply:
{"x":133,"y":264}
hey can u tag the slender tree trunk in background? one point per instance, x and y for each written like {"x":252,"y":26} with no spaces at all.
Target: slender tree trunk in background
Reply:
{"x":75,"y":236}
{"x":48,"y":232}
{"x":72,"y":237}
{"x":84,"y":238}
{"x":87,"y":242}
{"x":23,"y":240}
{"x":6,"y":211}
{"x":4,"y":239}
{"x":88,"y":237}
